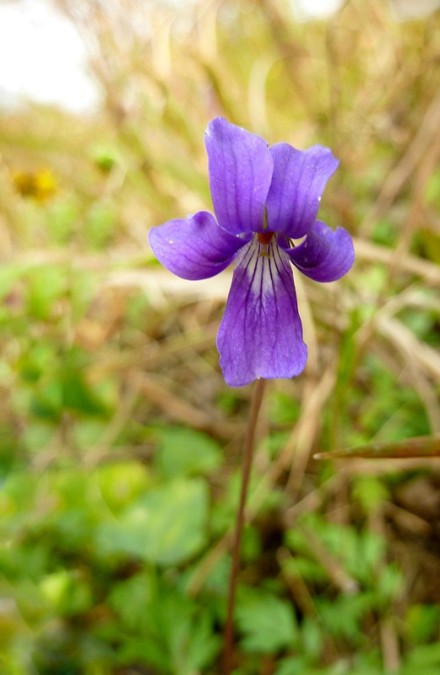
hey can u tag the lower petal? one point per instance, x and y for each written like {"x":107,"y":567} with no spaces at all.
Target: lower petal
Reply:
{"x":261,"y":333}
{"x":195,"y":247}
{"x":325,"y":254}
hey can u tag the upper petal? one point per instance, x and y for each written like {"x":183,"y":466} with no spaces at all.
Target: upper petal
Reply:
{"x":195,"y":247}
{"x":240,"y":173}
{"x":325,"y":254}
{"x":261,"y":332}
{"x":298,"y":181}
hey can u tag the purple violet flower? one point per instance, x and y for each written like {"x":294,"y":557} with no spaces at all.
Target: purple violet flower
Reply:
{"x":264,"y":197}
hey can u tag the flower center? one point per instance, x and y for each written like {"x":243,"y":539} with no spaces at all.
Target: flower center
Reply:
{"x":264,"y":237}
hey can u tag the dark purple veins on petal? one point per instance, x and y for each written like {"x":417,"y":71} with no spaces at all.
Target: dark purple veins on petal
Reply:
{"x":261,"y":332}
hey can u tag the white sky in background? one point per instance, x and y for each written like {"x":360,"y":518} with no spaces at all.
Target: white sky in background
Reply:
{"x":314,"y":9}
{"x":42,"y":56}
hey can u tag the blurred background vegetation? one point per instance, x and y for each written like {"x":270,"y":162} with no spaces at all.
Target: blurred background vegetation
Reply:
{"x":120,"y":443}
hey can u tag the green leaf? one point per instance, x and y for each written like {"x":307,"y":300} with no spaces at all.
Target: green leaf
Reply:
{"x":389,"y":584}
{"x":284,"y":408}
{"x":293,"y":666}
{"x":369,"y":492}
{"x":47,"y":400}
{"x":422,"y":622}
{"x":312,"y":636}
{"x":176,"y":636}
{"x":342,"y":616}
{"x":79,"y":394}
{"x":62,"y":219}
{"x":185,"y":452}
{"x":46,"y":285}
{"x":130,"y":599}
{"x":423,"y":659}
{"x":9,"y":276}
{"x":186,"y":634}
{"x":122,"y":483}
{"x":166,"y":526}
{"x":267,"y":622}
{"x":66,"y":592}
{"x":100,"y":225}
{"x":37,"y":360}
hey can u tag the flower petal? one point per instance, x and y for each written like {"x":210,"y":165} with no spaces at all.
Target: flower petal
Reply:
{"x":298,"y":181}
{"x":240,"y":172}
{"x":261,"y":332}
{"x":325,"y":254}
{"x":195,"y":247}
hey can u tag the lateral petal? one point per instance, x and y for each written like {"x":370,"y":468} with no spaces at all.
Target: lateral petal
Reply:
{"x":261,"y":331}
{"x":298,"y":181}
{"x":325,"y":254}
{"x":240,"y":173}
{"x":195,"y":247}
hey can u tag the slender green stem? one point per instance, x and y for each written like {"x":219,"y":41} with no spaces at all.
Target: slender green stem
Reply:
{"x":248,"y":452}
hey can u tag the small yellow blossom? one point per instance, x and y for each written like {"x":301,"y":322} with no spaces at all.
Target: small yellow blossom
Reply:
{"x":40,"y":185}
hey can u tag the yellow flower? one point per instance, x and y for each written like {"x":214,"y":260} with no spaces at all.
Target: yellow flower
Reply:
{"x":40,"y":185}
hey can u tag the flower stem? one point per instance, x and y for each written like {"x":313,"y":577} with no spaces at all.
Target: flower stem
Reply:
{"x":248,"y":451}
